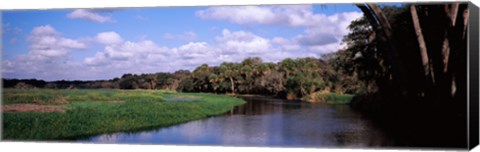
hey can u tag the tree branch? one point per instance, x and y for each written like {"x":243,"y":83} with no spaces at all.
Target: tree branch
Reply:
{"x":382,"y":27}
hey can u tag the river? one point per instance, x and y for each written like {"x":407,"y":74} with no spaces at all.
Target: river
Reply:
{"x":270,"y":122}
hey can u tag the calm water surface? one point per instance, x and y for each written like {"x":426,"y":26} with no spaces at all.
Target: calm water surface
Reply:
{"x":264,"y":121}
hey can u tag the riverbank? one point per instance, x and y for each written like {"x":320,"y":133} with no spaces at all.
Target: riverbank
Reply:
{"x":42,"y":114}
{"x":330,"y":98}
{"x":316,"y":97}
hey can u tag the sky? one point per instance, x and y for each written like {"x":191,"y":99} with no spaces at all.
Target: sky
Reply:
{"x":94,"y":44}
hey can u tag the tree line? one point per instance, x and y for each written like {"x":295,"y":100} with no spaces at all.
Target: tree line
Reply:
{"x":159,"y":80}
{"x":289,"y":78}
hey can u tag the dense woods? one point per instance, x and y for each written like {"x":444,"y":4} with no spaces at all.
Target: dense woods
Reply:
{"x":291,"y":78}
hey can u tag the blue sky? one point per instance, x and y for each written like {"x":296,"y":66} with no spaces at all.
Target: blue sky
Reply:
{"x":86,"y":44}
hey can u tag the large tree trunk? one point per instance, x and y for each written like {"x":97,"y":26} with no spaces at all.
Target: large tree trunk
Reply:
{"x":421,"y":41}
{"x":426,"y":63}
{"x":452,"y":15}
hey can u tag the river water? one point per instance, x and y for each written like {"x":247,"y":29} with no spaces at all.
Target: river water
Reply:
{"x":270,"y":122}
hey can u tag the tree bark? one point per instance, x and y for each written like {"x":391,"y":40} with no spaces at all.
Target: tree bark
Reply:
{"x":421,"y":41}
{"x":382,"y":19}
{"x":452,"y":16}
{"x":452,"y":13}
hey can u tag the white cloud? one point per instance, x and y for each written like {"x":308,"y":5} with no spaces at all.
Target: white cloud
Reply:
{"x":314,"y":37}
{"x":73,"y":44}
{"x":7,"y":67}
{"x":186,"y":36}
{"x":291,"y":15}
{"x":190,"y":55}
{"x":46,"y":43}
{"x":44,"y":30}
{"x":286,"y":44}
{"x":108,"y":38}
{"x":240,"y":15}
{"x":32,"y":65}
{"x":89,"y":15}
{"x":324,"y":49}
{"x":326,"y":36}
{"x":132,"y":49}
{"x":124,"y":53}
{"x":98,"y":59}
{"x":320,"y":29}
{"x":194,"y":49}
{"x":129,"y":57}
{"x":49,"y":56}
{"x":242,"y":42}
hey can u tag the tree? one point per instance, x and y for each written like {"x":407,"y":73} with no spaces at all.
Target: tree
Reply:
{"x":287,"y":66}
{"x":186,"y":85}
{"x":200,"y":75}
{"x":215,"y":81}
{"x":230,"y":71}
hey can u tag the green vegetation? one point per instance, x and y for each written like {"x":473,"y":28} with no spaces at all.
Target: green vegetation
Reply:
{"x":92,"y":112}
{"x":50,"y":96}
{"x":331,"y":98}
{"x":290,"y":78}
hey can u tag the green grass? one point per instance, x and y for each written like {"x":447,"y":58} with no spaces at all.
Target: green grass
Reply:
{"x":49,"y":96}
{"x":331,"y":98}
{"x":91,"y":112}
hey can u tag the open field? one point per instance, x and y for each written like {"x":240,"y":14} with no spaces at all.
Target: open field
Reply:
{"x":40,"y":114}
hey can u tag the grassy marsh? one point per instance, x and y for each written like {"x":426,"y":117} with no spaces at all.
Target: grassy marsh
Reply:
{"x":92,"y":112}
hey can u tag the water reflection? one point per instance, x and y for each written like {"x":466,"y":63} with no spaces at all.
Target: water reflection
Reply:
{"x":267,"y":122}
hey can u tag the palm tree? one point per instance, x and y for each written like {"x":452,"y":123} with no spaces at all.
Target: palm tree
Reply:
{"x":200,"y":74}
{"x":229,"y":71}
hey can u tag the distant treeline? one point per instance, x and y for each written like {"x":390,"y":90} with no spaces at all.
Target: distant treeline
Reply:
{"x":127,"y":81}
{"x":290,"y":78}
